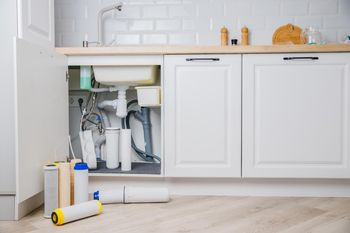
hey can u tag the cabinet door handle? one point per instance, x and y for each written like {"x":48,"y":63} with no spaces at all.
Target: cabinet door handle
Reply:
{"x":300,"y":58}
{"x":203,"y":59}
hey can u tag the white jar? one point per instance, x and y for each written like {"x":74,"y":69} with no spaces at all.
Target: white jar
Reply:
{"x":81,"y":182}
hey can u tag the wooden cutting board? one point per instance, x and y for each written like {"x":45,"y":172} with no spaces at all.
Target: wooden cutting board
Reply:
{"x":287,"y":34}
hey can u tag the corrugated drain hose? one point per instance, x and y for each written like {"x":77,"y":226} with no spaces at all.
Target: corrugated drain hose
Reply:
{"x":126,"y":125}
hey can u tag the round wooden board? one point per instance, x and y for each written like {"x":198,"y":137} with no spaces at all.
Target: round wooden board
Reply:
{"x":287,"y":34}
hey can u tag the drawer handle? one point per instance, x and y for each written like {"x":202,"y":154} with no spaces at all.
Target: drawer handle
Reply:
{"x":300,"y":58}
{"x":202,"y":59}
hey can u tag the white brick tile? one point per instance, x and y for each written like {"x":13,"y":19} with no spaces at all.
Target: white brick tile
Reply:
{"x":141,"y":25}
{"x":341,"y":21}
{"x":238,"y":8}
{"x":344,"y":7}
{"x":168,"y":25}
{"x":208,"y":39}
{"x":196,"y":21}
{"x":341,"y":34}
{"x":58,"y":40}
{"x":321,"y":7}
{"x":72,"y":39}
{"x":137,"y":2}
{"x":186,"y":10}
{"x":170,"y":2}
{"x":261,"y":37}
{"x":128,"y":39}
{"x":329,"y":35}
{"x":189,"y":25}
{"x":64,"y":25}
{"x":154,"y":39}
{"x":266,"y":7}
{"x":274,"y":22}
{"x":129,"y":12}
{"x":116,"y":25}
{"x":154,"y":12}
{"x":73,"y":11}
{"x":213,"y":9}
{"x":257,"y":22}
{"x":83,"y":26}
{"x":305,"y":21}
{"x":294,"y":7}
{"x":182,"y":39}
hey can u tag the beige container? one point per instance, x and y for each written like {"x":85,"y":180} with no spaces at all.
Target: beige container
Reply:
{"x":148,"y":96}
{"x":72,"y":164}
{"x":63,"y":184}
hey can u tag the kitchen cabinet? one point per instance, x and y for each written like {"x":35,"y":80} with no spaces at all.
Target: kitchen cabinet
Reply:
{"x":202,"y":123}
{"x":296,"y":115}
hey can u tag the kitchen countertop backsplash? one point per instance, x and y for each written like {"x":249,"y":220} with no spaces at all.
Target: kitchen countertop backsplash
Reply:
{"x":196,"y":22}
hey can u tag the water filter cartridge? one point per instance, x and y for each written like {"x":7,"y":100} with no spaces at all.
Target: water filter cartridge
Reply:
{"x":68,"y":214}
{"x":110,"y":196}
{"x":50,"y":189}
{"x":72,"y":164}
{"x":112,"y":153}
{"x":81,"y":181}
{"x":141,"y":194}
{"x":132,"y":195}
{"x":125,"y":149}
{"x":63,"y":184}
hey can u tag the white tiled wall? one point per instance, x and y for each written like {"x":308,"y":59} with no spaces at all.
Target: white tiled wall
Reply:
{"x":196,"y":21}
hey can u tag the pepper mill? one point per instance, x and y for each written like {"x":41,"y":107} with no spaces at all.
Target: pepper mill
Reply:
{"x":245,"y":32}
{"x":224,"y":36}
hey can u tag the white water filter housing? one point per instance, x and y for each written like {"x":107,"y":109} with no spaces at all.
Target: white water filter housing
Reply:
{"x":140,"y":194}
{"x":81,"y":183}
{"x":67,"y":214}
{"x":125,"y":149}
{"x":132,"y":195}
{"x":112,"y":153}
{"x":50,"y":189}
{"x":110,"y":196}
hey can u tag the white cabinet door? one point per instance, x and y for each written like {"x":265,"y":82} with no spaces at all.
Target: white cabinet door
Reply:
{"x":202,"y":107}
{"x":36,"y":22}
{"x":41,"y":112}
{"x":296,"y":120}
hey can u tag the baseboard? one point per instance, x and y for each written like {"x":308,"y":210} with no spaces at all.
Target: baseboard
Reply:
{"x":7,"y":207}
{"x":27,"y":206}
{"x":233,"y":187}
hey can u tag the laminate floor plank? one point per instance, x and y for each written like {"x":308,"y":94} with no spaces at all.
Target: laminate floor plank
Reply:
{"x":205,"y":214}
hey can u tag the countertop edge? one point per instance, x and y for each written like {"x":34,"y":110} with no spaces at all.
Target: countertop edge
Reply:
{"x":168,"y":50}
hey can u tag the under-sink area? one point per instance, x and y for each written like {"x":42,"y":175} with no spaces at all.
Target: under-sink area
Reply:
{"x":107,"y":83}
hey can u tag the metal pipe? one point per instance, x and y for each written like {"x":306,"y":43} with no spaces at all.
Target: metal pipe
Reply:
{"x":118,"y":7}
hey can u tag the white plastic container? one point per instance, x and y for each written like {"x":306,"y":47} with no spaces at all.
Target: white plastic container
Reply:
{"x":50,"y":189}
{"x":125,"y":149}
{"x":67,"y":214}
{"x":148,"y":96}
{"x":81,"y":182}
{"x":112,"y":153}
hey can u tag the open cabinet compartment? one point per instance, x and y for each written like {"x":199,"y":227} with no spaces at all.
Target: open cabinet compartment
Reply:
{"x":139,"y":166}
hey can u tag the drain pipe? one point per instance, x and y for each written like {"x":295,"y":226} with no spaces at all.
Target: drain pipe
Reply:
{"x":144,"y":117}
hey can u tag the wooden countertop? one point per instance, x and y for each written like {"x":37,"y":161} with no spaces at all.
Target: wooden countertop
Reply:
{"x":195,"y":49}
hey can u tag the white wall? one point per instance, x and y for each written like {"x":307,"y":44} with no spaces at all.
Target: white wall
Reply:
{"x":196,"y":21}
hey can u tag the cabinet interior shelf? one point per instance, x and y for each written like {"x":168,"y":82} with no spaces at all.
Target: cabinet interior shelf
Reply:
{"x":138,"y":168}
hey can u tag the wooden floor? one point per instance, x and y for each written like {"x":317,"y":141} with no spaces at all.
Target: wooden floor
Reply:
{"x":206,"y":214}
